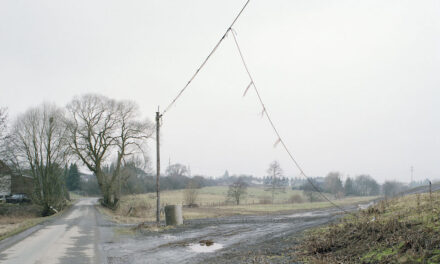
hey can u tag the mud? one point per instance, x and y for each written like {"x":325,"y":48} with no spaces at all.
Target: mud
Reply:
{"x":234,"y":239}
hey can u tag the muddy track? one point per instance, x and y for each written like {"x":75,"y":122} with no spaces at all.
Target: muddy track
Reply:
{"x":237,"y":239}
{"x":233,"y":238}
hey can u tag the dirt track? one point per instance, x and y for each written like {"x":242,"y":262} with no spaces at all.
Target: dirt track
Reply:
{"x":236,"y":239}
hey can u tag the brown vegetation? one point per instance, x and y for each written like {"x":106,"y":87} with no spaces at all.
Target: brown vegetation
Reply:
{"x":296,"y":198}
{"x":15,"y":218}
{"x":404,"y":230}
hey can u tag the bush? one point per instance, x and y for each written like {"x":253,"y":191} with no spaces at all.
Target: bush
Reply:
{"x":265,"y":200}
{"x":191,"y":192}
{"x":137,"y":208}
{"x":296,"y":198}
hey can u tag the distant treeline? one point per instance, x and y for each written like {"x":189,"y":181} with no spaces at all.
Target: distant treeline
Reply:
{"x":361,"y":185}
{"x":177,"y":176}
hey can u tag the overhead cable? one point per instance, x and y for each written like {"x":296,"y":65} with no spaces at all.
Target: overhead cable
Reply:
{"x":205,"y":61}
{"x":279,"y":138}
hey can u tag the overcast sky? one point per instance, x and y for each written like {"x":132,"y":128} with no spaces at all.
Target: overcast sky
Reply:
{"x":354,"y":86}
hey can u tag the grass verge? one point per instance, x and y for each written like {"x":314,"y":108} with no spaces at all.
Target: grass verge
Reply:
{"x":15,"y":218}
{"x":401,"y":230}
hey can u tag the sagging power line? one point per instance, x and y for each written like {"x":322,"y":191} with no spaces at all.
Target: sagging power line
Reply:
{"x":279,"y":138}
{"x":160,"y":115}
{"x":205,"y":61}
{"x":264,"y":112}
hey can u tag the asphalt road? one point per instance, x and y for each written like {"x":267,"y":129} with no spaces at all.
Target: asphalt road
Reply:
{"x":71,"y":238}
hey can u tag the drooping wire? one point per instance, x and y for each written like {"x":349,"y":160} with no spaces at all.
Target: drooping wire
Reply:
{"x":205,"y":61}
{"x":279,"y":139}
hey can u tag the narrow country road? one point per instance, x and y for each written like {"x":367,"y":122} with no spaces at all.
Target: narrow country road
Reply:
{"x":71,"y":238}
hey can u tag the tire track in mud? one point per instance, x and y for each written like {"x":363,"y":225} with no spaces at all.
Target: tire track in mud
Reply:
{"x":233,"y":236}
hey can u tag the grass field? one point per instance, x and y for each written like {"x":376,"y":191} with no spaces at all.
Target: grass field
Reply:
{"x":212,"y":203}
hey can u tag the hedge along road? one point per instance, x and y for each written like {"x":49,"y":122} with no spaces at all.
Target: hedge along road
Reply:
{"x":71,"y":238}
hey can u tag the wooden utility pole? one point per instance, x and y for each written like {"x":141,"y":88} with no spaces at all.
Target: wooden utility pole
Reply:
{"x":157,"y":167}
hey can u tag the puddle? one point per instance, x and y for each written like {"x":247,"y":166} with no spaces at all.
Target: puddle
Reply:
{"x":365,"y":206}
{"x":307,"y":214}
{"x":169,"y":237}
{"x":198,"y":248}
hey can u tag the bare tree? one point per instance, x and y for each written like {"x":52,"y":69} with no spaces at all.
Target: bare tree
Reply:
{"x":333,"y":184}
{"x":3,"y":128}
{"x":191,"y":192}
{"x":37,"y":146}
{"x":3,"y":122}
{"x":176,"y":170}
{"x":237,"y":190}
{"x":275,"y":172}
{"x":102,"y":130}
{"x":311,"y":189}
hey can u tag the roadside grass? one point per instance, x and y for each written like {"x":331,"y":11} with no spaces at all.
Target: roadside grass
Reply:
{"x":10,"y":226}
{"x":15,"y":218}
{"x":212,"y":203}
{"x":400,"y":230}
{"x":75,"y":196}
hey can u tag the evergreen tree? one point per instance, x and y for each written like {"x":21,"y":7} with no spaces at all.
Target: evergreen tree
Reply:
{"x":73,"y":178}
{"x":349,"y":187}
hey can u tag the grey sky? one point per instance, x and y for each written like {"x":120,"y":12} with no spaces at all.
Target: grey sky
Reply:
{"x":354,"y":86}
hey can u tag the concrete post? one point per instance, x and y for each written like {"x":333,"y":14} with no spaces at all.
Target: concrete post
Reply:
{"x":173,"y":215}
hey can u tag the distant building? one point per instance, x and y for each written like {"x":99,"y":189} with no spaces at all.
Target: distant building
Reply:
{"x":12,"y":183}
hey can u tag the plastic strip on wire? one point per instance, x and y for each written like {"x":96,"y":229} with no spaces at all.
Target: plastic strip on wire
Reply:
{"x":279,"y":139}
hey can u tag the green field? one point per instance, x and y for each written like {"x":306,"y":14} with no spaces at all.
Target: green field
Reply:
{"x":212,"y":203}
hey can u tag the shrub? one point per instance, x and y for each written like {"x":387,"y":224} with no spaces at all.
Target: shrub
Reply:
{"x":296,"y":198}
{"x":265,"y":200}
{"x":139,"y":208}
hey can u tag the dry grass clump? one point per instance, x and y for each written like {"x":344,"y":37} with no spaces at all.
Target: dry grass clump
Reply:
{"x":15,"y":218}
{"x":403,"y":230}
{"x":20,"y":210}
{"x":135,"y":208}
{"x":296,"y":198}
{"x":265,"y":200}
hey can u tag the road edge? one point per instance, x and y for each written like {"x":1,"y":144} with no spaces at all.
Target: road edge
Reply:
{"x":12,"y":240}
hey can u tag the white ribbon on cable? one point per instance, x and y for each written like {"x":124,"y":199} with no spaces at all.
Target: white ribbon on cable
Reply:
{"x":277,"y":142}
{"x":262,"y":112}
{"x":247,"y":88}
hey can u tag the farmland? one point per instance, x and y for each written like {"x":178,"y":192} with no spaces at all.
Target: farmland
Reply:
{"x":212,"y":203}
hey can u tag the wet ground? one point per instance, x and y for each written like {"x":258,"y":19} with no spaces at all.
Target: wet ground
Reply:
{"x":235,"y":239}
{"x":83,"y":235}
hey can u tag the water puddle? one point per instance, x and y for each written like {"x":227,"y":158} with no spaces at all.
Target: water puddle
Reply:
{"x":365,"y":206}
{"x":205,"y":247}
{"x":169,"y":237}
{"x":308,"y":214}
